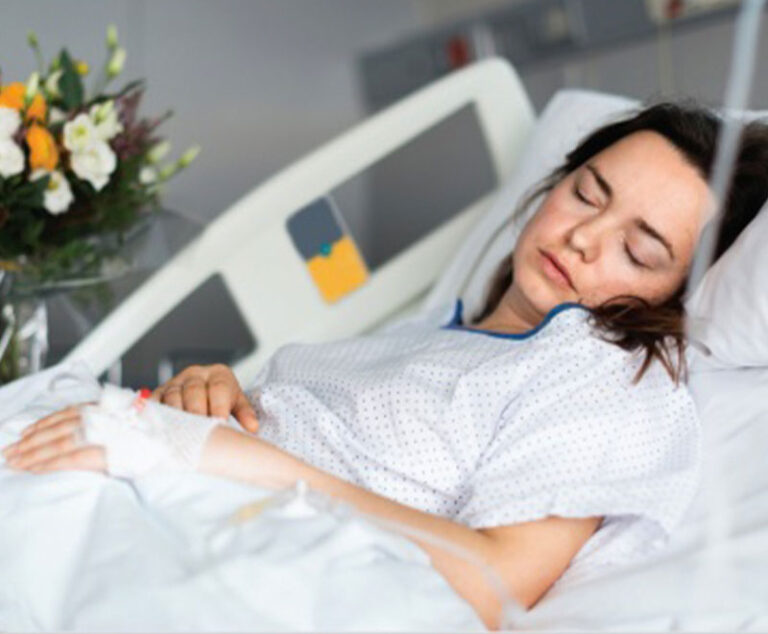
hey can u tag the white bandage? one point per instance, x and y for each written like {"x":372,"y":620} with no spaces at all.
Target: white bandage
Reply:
{"x":142,"y":436}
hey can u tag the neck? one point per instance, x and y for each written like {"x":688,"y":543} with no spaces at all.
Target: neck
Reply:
{"x":513,"y":315}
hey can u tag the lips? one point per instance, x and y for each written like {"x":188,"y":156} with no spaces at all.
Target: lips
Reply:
{"x":558,"y":265}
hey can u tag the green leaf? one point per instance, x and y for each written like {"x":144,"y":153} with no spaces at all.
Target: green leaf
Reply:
{"x":31,"y":194}
{"x":32,"y":231}
{"x":70,"y":85}
{"x":136,"y":84}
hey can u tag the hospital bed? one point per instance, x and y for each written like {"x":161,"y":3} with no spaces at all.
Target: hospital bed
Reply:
{"x":284,"y":253}
{"x":259,"y":250}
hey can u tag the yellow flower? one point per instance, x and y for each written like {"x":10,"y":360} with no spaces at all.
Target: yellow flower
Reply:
{"x":12,"y":96}
{"x":9,"y":265}
{"x":43,"y":153}
{"x":37,"y":109}
{"x":82,"y":68}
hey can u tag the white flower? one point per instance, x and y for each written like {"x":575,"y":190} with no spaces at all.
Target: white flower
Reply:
{"x":11,"y":158}
{"x":10,"y":120}
{"x":189,"y":156}
{"x":115,"y":66}
{"x":52,"y":84}
{"x":105,"y":122}
{"x":79,"y":134}
{"x":58,"y":195}
{"x":147,"y":175}
{"x":33,"y":85}
{"x":167,"y":171}
{"x":56,"y":115}
{"x":94,"y":164}
{"x":158,"y":151}
{"x":111,"y":37}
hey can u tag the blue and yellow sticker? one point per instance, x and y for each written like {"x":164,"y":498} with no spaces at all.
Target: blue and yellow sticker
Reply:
{"x":331,"y":256}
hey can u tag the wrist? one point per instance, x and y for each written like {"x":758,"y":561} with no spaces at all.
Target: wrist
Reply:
{"x":141,"y":437}
{"x":229,"y":453}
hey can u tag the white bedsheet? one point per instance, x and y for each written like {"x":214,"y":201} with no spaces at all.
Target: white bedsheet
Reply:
{"x":80,"y":551}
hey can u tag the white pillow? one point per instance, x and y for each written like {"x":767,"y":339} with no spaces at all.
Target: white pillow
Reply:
{"x":730,"y":307}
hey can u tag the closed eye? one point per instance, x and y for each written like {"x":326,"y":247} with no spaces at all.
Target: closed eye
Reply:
{"x":581,"y":197}
{"x":633,"y":259}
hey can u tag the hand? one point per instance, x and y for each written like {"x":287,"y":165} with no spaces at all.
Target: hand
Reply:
{"x":55,"y":443}
{"x":210,"y":390}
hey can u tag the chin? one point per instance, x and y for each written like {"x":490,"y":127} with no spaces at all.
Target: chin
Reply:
{"x":540,"y":296}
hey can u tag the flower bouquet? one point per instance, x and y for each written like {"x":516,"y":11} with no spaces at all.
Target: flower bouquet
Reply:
{"x":79,"y":168}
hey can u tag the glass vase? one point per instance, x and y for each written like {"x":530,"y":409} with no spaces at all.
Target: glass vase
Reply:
{"x":24,"y":321}
{"x":24,"y":338}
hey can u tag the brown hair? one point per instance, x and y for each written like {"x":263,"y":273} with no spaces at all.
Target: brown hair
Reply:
{"x":628,"y":321}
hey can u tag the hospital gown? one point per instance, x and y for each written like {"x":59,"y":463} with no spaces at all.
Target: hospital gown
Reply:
{"x":490,"y":429}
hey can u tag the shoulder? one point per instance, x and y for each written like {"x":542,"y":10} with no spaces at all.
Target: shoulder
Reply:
{"x":587,"y":385}
{"x":585,"y":353}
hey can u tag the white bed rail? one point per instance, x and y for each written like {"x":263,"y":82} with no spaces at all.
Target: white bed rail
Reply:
{"x":249,"y":246}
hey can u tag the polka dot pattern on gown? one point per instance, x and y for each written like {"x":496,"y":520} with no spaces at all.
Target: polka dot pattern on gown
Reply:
{"x":491,"y":430}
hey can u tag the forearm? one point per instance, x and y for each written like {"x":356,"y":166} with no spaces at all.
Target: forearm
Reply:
{"x":237,"y":456}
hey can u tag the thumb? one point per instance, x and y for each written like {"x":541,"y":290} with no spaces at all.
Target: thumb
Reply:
{"x":245,"y":414}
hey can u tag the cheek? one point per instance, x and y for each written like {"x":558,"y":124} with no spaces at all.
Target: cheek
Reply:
{"x":610,"y":283}
{"x":545,"y":226}
{"x":663,"y":289}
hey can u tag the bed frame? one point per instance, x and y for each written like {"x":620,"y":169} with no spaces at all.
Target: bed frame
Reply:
{"x":250,"y":248}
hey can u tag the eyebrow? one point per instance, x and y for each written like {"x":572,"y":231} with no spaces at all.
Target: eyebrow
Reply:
{"x":639,"y":222}
{"x":600,"y":180}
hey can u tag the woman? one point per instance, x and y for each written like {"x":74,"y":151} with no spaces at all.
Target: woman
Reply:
{"x":555,"y":413}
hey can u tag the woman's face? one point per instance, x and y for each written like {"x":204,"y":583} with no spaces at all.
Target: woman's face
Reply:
{"x":624,"y":223}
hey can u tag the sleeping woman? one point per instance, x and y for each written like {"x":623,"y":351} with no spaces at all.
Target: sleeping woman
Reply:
{"x":551,"y":431}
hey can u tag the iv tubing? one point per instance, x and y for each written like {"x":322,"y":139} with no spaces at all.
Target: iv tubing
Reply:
{"x":713,"y":576}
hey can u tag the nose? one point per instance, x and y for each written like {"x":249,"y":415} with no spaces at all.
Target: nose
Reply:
{"x":585,"y":238}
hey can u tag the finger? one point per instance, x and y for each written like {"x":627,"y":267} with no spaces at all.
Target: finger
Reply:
{"x":91,"y":458}
{"x":53,"y":419}
{"x":43,"y":436}
{"x":245,"y":414}
{"x":174,"y":384}
{"x":194,"y":394}
{"x":172,"y":397}
{"x":221,"y":397}
{"x":42,"y":453}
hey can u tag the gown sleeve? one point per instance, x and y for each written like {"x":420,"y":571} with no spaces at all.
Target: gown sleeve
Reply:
{"x":582,"y":440}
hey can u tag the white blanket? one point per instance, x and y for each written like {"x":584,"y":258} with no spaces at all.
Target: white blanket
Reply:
{"x":81,"y":551}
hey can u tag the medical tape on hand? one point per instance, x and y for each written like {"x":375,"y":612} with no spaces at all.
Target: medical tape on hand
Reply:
{"x":144,"y":437}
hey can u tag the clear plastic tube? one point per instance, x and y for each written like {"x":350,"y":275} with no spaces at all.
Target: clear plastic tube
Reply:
{"x":715,"y":575}
{"x":737,"y":91}
{"x":511,"y":610}
{"x":299,"y":495}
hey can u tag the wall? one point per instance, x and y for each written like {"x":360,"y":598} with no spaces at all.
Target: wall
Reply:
{"x":691,"y":62}
{"x":258,"y":83}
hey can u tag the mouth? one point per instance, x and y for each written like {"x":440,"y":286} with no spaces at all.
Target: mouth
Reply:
{"x":560,"y":272}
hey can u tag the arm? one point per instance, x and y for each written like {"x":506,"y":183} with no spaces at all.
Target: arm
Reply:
{"x":529,"y":557}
